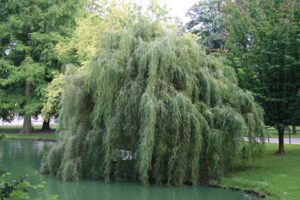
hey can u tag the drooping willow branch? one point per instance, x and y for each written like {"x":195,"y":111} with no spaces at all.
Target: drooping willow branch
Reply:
{"x":152,"y":107}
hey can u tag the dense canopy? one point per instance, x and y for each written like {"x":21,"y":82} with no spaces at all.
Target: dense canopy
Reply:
{"x":263,"y":45}
{"x":152,"y":107}
{"x":29,"y":33}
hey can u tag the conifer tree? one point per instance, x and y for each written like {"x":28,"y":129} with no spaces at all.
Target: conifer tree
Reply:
{"x":29,"y":31}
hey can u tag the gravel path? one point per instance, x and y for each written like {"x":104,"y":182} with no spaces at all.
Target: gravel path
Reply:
{"x":286,"y":140}
{"x":275,"y":140}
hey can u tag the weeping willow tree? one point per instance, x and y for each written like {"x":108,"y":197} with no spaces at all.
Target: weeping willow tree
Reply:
{"x":153,"y":107}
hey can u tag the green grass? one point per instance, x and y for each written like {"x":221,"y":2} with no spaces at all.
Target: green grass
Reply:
{"x":33,"y":136}
{"x":278,"y":177}
{"x":13,"y":132}
{"x":17,"y":128}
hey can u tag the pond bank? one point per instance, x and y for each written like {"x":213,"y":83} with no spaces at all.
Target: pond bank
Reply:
{"x":252,"y":192}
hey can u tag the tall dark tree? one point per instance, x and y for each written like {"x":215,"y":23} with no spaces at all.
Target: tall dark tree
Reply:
{"x":206,"y":22}
{"x":29,"y":31}
{"x":263,"y":42}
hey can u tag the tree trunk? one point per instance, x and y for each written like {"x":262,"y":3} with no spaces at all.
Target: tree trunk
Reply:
{"x":290,"y":141}
{"x":294,"y":129}
{"x":46,"y":125}
{"x":281,"y":139}
{"x":27,"y":127}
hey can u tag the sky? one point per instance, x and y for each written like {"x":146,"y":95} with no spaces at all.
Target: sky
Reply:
{"x":178,"y":8}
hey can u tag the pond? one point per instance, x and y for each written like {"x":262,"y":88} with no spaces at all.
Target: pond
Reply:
{"x":24,"y":157}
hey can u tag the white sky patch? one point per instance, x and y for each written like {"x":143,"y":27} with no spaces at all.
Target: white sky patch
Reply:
{"x":177,"y":8}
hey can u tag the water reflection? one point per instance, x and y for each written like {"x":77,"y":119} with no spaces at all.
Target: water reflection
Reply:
{"x":23,"y":157}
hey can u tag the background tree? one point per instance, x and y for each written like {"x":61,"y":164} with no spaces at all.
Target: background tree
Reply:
{"x":263,"y":42}
{"x":29,"y":32}
{"x":206,"y":22}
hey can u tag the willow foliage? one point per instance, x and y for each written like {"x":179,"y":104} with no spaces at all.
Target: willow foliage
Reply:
{"x":152,"y":107}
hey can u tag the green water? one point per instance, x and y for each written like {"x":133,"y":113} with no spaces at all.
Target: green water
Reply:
{"x":23,"y":157}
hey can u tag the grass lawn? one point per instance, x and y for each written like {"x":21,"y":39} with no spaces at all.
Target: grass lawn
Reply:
{"x":33,"y":136}
{"x":17,"y":129}
{"x":276,"y":176}
{"x":13,"y":132}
